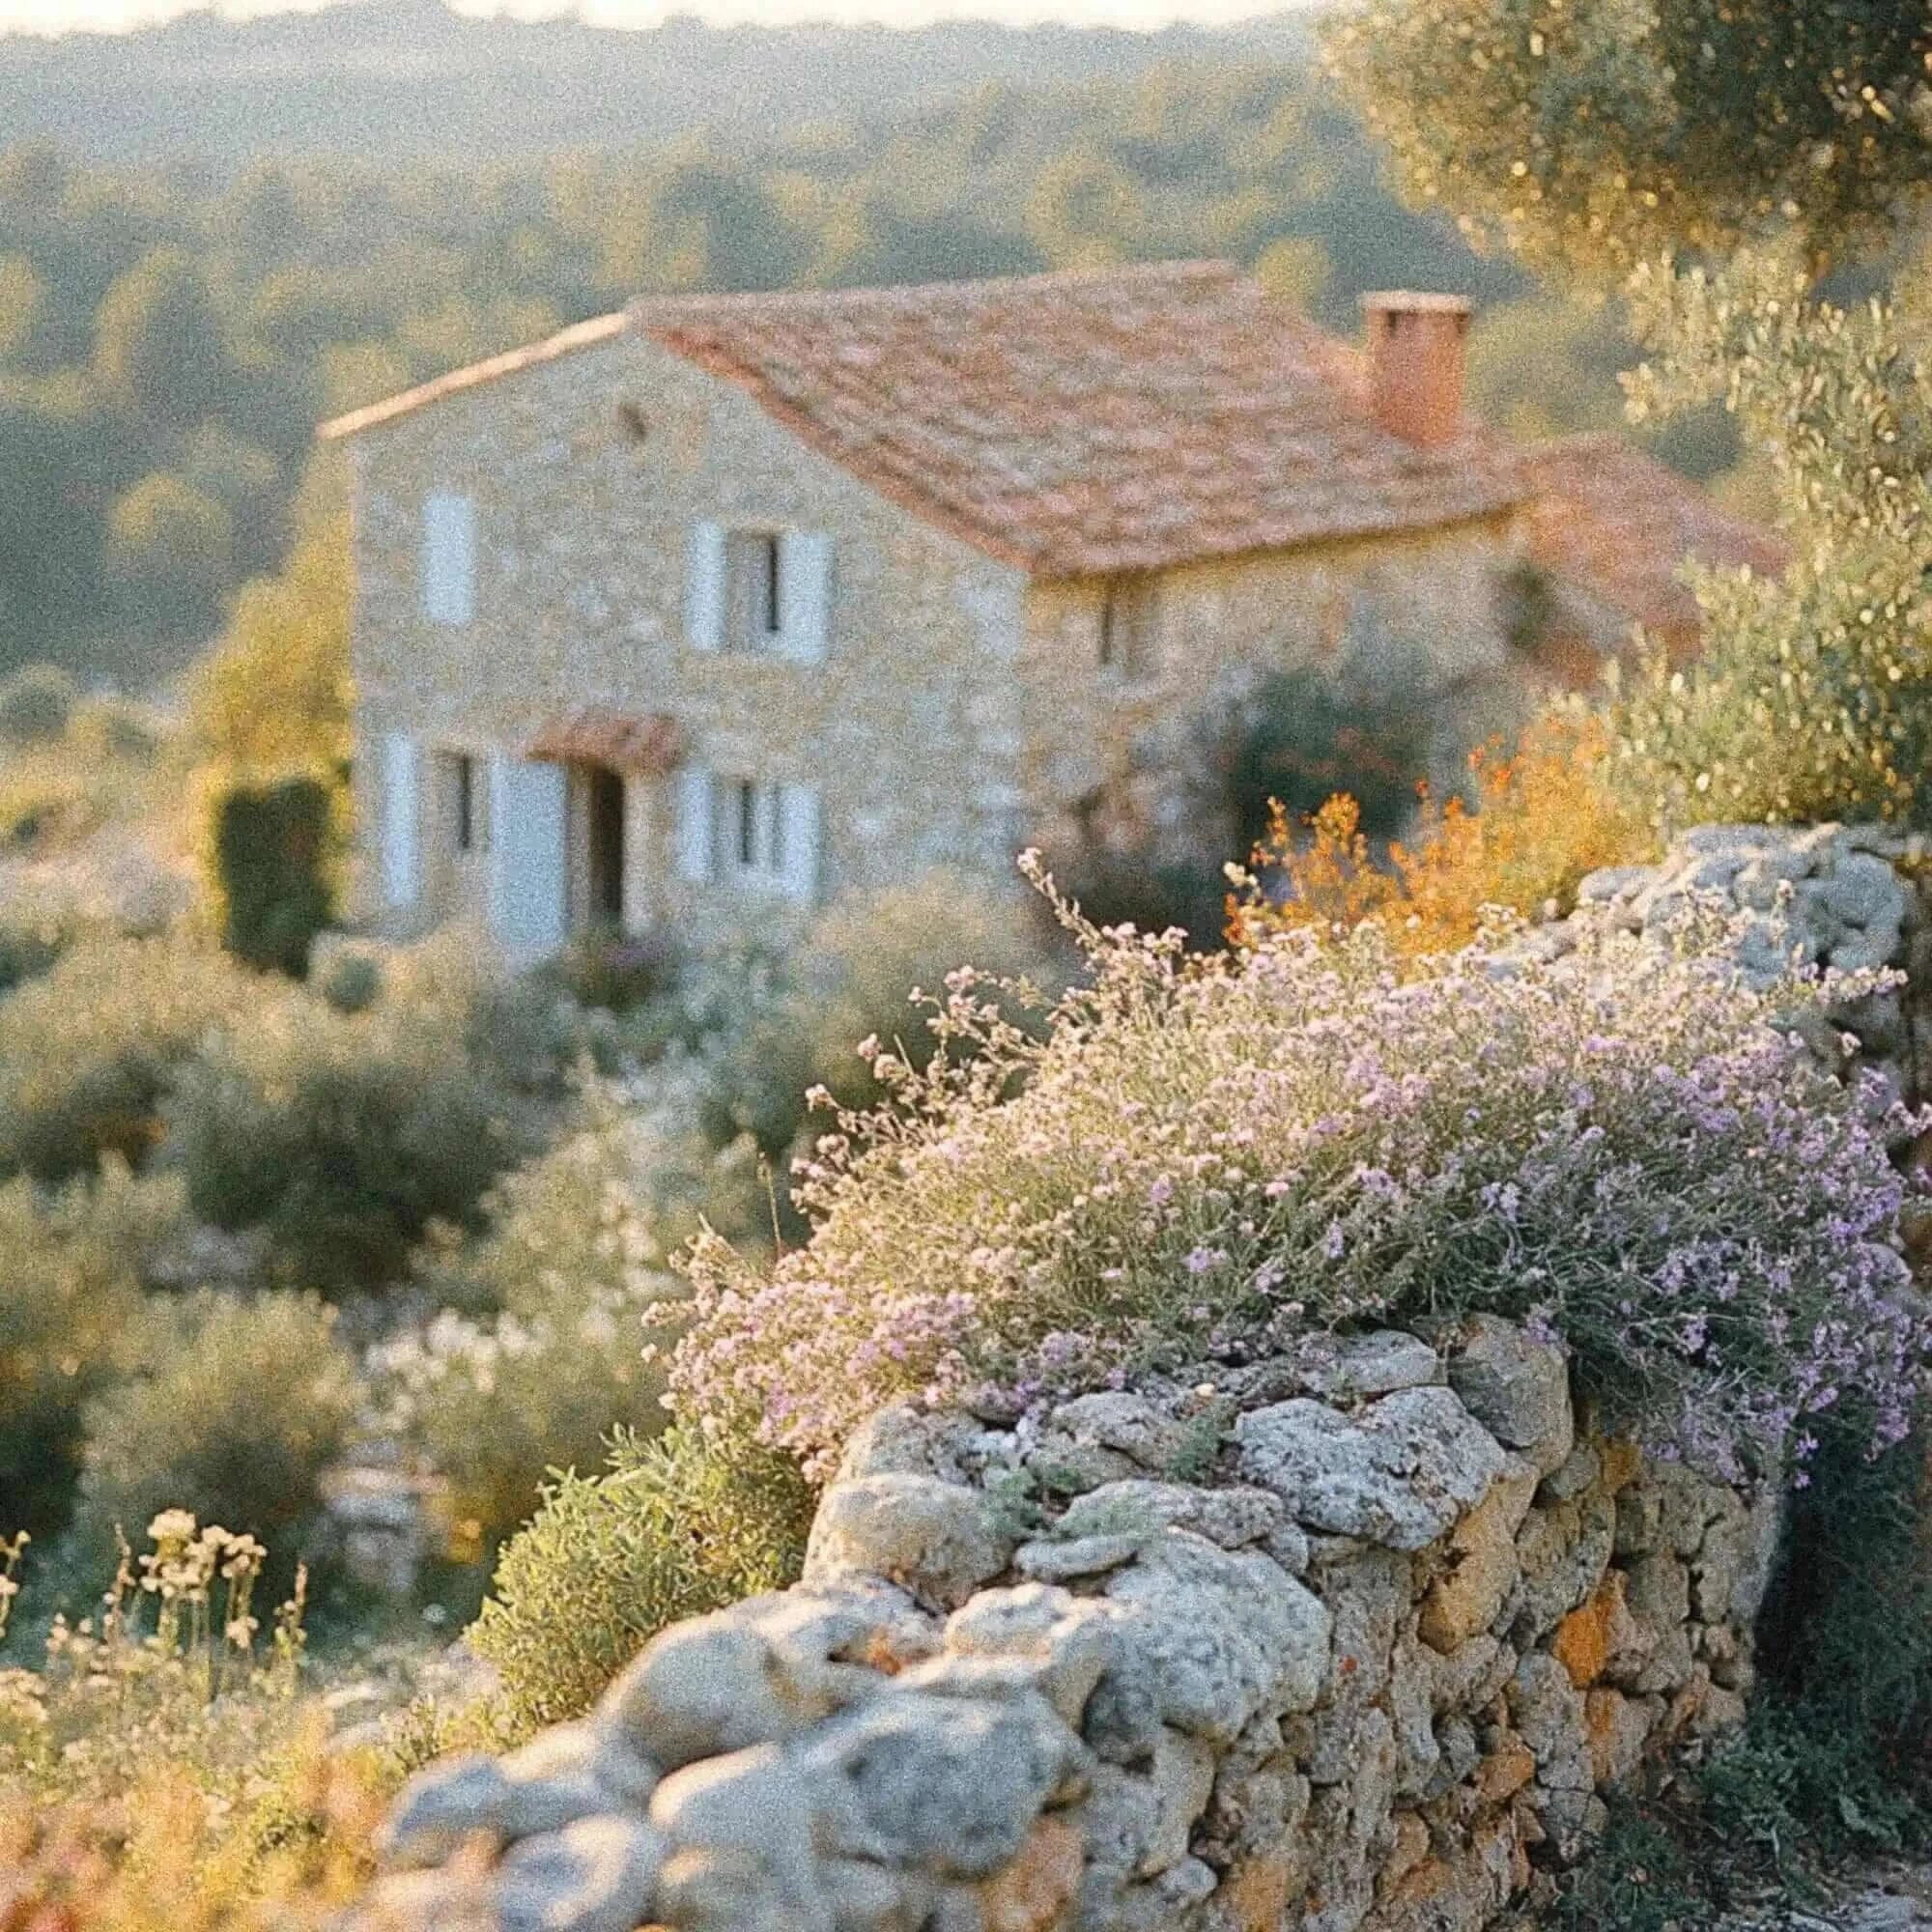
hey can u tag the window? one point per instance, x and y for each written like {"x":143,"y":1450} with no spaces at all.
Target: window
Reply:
{"x":1129,"y":628}
{"x":466,"y":802}
{"x":761,"y":835}
{"x":760,"y":590}
{"x":448,"y":562}
{"x":753,"y":590}
{"x":753,"y":830}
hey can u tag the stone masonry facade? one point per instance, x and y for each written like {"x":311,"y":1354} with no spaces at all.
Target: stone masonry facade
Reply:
{"x":965,"y":702}
{"x":1356,"y":1639}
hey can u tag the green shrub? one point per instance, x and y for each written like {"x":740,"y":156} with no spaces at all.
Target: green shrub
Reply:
{"x":617,"y":971}
{"x":499,"y":1406}
{"x":36,"y":704}
{"x":236,"y":1409}
{"x":27,"y":949}
{"x":1811,"y":696}
{"x":531,"y":1037}
{"x":1363,"y":726}
{"x":352,"y":983}
{"x":342,"y":1137}
{"x":851,"y":979}
{"x":573,"y":1261}
{"x":1640,"y":1878}
{"x":71,"y":1267}
{"x":598,"y":1213}
{"x":88,"y":1050}
{"x":271,"y":864}
{"x":675,"y":1527}
{"x":1126,"y":888}
{"x":1839,"y":1747}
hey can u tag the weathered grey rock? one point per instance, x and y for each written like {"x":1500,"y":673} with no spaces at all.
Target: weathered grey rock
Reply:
{"x":1411,"y":1710}
{"x":1580,"y":1470}
{"x":1547,"y":1709}
{"x":1399,"y":1473}
{"x":595,"y":1874}
{"x":757,"y":1809}
{"x":1469,"y":1678}
{"x":704,"y":1688}
{"x":727,"y":1888}
{"x":1232,"y":1518}
{"x":1610,"y":882}
{"x":1065,"y":1561}
{"x":1119,"y":1821}
{"x":1561,"y":1555}
{"x":1188,"y":1739}
{"x":1369,"y":1593}
{"x":904,"y":1441}
{"x":937,"y":1540}
{"x":1183,"y":1779}
{"x":834,"y":1647}
{"x":1864,"y":890}
{"x":1217,"y":1635}
{"x":1130,"y":1425}
{"x":577,"y":1771}
{"x":1658,"y":1591}
{"x":940,"y":1785}
{"x":443,"y":1808}
{"x":1479,"y":1565}
{"x":868,"y":1897}
{"x":1064,"y":1641}
{"x":1519,"y":1390}
{"x":1354,"y":1368}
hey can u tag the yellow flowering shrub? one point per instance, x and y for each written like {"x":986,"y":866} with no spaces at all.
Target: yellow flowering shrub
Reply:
{"x":1540,"y":819}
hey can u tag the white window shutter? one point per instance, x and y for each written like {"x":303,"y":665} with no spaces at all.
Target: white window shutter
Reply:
{"x":704,"y":586}
{"x":805,"y":594}
{"x":696,"y":839}
{"x":448,"y":557}
{"x":798,"y":840}
{"x":402,"y":820}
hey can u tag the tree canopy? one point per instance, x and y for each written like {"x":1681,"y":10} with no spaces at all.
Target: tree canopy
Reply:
{"x":1597,"y":132}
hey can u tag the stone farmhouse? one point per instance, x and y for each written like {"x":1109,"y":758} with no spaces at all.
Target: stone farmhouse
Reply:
{"x":694,"y":616}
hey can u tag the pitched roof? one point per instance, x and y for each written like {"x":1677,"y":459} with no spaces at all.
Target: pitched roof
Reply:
{"x":1078,"y":423}
{"x":1620,"y":525}
{"x":580,"y":335}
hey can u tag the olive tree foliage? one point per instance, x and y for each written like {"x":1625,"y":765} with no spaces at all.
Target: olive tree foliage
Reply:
{"x":1812,"y":697}
{"x":1598,"y":133}
{"x":1712,"y":157}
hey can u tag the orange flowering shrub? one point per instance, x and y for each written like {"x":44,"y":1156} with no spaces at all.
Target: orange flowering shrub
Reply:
{"x":1540,"y":819}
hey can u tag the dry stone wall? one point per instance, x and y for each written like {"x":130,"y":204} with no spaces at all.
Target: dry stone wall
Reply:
{"x":1357,"y":1638}
{"x":1846,"y":897}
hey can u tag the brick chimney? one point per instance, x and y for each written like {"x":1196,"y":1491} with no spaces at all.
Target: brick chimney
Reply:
{"x":1417,"y":346}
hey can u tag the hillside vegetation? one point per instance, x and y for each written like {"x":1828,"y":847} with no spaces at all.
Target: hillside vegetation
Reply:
{"x":169,"y":335}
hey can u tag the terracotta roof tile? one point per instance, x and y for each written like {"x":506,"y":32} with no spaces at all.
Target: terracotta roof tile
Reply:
{"x":1619,"y":525}
{"x":1119,"y":420}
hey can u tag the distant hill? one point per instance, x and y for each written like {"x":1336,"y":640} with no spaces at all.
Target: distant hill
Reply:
{"x":390,"y":82}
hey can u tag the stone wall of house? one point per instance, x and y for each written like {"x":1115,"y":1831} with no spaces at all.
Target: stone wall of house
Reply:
{"x":1131,"y":759}
{"x":909,"y":729}
{"x":1356,"y":1638}
{"x":961,"y":712}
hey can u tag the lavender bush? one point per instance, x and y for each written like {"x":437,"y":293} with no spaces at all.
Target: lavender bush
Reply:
{"x":1205,"y":1158}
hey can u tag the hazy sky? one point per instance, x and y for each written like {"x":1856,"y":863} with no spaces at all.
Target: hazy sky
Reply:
{"x":56,"y":15}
